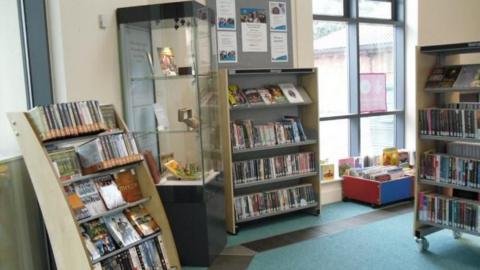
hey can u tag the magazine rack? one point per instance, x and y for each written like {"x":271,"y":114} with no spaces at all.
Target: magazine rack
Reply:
{"x":306,"y":111}
{"x":63,"y":228}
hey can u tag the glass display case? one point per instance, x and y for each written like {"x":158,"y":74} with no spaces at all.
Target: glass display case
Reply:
{"x":170,"y":102}
{"x":170,"y":88}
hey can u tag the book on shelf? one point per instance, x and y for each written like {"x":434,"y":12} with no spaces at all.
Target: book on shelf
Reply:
{"x":109,"y":116}
{"x":142,"y":221}
{"x":252,"y":95}
{"x":99,"y":236}
{"x":235,"y":96}
{"x":107,"y":151}
{"x":327,"y":171}
{"x":277,"y":94}
{"x":163,"y":251}
{"x":291,"y":93}
{"x":119,"y":261}
{"x":76,"y":204}
{"x":266,"y":96}
{"x":450,"y":122}
{"x":120,"y":228}
{"x":447,"y":169}
{"x":88,"y":193}
{"x":67,"y":119}
{"x":469,"y":77}
{"x":65,"y":162}
{"x":465,"y":76}
{"x":256,"y":170}
{"x":108,"y":189}
{"x":449,"y":211}
{"x":150,"y":255}
{"x":128,"y":185}
{"x":380,"y":173}
{"x":344,"y":165}
{"x":91,"y":248}
{"x":246,"y":134}
{"x":464,"y":149}
{"x":390,"y":156}
{"x":274,"y":201}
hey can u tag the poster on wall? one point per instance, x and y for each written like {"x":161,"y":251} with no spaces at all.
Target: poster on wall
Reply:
{"x":373,"y":92}
{"x":279,"y":47}
{"x":254,"y":29}
{"x":226,"y":15}
{"x":227,"y":47}
{"x":278,"y":16}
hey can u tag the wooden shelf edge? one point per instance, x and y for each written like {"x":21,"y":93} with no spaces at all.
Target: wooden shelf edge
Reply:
{"x":113,"y":211}
{"x":120,"y":250}
{"x":118,"y":169}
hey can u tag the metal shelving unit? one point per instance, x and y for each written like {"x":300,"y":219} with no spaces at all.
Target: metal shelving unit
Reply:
{"x":427,"y":58}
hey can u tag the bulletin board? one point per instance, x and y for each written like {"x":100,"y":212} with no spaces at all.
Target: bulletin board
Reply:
{"x":259,"y":59}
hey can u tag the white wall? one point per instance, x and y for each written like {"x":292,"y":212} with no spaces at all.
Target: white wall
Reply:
{"x":12,"y":83}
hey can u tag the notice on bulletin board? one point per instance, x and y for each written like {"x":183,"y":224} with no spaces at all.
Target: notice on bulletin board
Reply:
{"x":226,"y":15}
{"x":227,"y":47}
{"x":254,"y":29}
{"x":279,"y":47}
{"x":278,"y":16}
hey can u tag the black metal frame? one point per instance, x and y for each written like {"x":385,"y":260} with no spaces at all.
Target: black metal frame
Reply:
{"x":351,"y":17}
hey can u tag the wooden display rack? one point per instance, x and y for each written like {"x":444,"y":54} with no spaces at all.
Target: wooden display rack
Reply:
{"x":308,"y":113}
{"x":62,"y":226}
{"x":427,"y":58}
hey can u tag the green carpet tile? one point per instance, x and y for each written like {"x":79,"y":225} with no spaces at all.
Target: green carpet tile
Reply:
{"x":295,"y":221}
{"x":387,"y":244}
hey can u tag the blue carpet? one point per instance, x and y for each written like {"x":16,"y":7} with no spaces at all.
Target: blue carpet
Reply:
{"x":295,"y":221}
{"x":387,"y":244}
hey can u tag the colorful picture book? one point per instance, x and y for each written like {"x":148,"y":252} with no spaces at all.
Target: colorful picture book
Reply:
{"x":277,"y":94}
{"x":344,"y":165}
{"x":327,"y":171}
{"x":390,"y":156}
{"x":235,"y":96}
{"x":266,"y":96}
{"x":141,"y":220}
{"x":99,"y":236}
{"x":88,"y":193}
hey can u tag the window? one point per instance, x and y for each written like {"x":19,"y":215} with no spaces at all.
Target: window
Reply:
{"x":359,"y":54}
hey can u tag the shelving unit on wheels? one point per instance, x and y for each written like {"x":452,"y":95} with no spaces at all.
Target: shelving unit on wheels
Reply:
{"x":441,"y":193}
{"x":63,"y":228}
{"x":307,"y":112}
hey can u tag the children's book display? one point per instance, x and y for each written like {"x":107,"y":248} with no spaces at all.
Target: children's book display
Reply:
{"x":94,"y":189}
{"x":283,"y":93}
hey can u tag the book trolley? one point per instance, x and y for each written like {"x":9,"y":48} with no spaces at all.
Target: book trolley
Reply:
{"x":262,"y":190}
{"x":67,"y":243}
{"x":446,"y":186}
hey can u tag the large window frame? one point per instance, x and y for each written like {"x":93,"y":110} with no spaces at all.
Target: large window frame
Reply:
{"x":350,"y":16}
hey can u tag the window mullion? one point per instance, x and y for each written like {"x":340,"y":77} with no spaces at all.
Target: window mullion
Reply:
{"x":353,"y":70}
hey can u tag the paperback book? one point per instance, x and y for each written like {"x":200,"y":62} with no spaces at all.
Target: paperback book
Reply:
{"x":128,"y":185}
{"x":98,"y":234}
{"x":108,"y":189}
{"x":88,"y":193}
{"x":141,"y":220}
{"x":121,"y":229}
{"x":65,"y":162}
{"x":291,"y":93}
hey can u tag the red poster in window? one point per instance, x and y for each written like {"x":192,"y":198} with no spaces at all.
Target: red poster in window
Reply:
{"x":373,"y":92}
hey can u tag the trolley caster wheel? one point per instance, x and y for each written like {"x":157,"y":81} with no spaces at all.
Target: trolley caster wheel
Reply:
{"x":422,"y":244}
{"x":457,"y":235}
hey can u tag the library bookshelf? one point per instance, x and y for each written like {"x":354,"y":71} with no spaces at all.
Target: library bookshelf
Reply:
{"x":306,"y":111}
{"x":447,"y":193}
{"x":61,"y":224}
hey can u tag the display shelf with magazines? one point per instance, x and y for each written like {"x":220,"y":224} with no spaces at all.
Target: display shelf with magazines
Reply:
{"x":97,"y":196}
{"x":269,"y":121}
{"x":447,"y":189}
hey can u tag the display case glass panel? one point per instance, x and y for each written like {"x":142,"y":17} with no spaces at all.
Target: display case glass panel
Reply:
{"x":169,"y":74}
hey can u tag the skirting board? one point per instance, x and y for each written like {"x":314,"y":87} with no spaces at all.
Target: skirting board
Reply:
{"x":331,"y":193}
